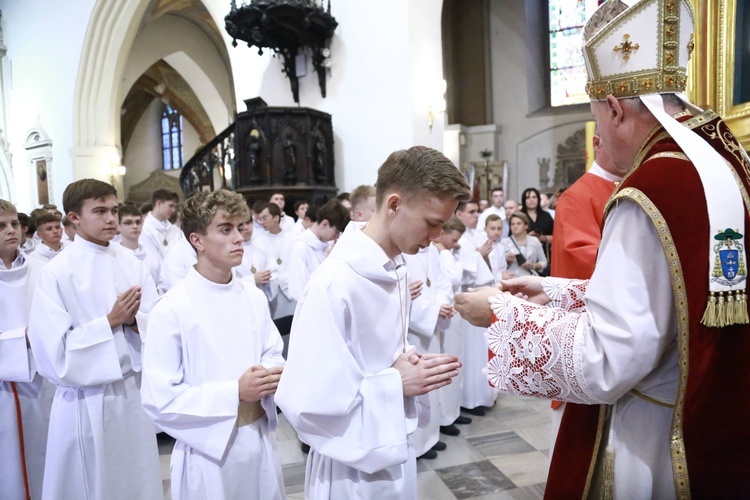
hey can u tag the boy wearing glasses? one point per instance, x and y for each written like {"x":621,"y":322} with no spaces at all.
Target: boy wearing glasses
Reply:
{"x":131,"y":225}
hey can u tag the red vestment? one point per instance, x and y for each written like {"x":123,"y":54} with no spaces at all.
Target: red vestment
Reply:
{"x":709,"y":439}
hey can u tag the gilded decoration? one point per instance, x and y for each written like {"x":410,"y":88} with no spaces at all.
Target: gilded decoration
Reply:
{"x":714,"y":61}
{"x":626,"y":47}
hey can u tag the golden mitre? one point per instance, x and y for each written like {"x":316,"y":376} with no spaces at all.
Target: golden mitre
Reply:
{"x":638,"y":47}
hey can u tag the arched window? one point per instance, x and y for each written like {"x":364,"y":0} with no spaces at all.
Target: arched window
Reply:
{"x":566,"y":66}
{"x":171,"y":138}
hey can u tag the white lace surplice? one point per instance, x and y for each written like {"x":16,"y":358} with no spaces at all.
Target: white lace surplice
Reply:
{"x":599,"y":339}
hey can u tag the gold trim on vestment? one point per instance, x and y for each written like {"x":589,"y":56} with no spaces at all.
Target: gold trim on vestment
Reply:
{"x":677,"y":443}
{"x":597,"y":445}
{"x":651,"y":399}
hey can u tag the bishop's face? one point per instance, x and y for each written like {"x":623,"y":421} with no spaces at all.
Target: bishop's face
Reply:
{"x":418,"y":221}
{"x":97,"y":220}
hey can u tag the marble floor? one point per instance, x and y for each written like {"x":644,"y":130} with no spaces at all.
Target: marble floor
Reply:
{"x":503,"y":455}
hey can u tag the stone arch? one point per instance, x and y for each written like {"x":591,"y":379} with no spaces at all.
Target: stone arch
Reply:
{"x":111,"y":30}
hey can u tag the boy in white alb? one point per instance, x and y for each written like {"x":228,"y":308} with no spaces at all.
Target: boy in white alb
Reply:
{"x":450,"y":331}
{"x":312,"y":245}
{"x":209,"y":377}
{"x":25,"y":397}
{"x":50,"y":232}
{"x":254,"y":264}
{"x":427,"y":310}
{"x":277,"y":244}
{"x":351,"y":378}
{"x":493,"y":228}
{"x":89,"y":305}
{"x":131,"y":225}
{"x":476,"y":393}
{"x":159,"y":235}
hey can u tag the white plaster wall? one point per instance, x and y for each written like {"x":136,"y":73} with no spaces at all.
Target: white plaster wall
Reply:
{"x":44,"y":41}
{"x":510,"y":100}
{"x":382,"y":55}
{"x":143,"y":155}
{"x":189,"y":51}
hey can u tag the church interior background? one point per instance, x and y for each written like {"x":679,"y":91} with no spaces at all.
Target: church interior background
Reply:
{"x":128,"y":92}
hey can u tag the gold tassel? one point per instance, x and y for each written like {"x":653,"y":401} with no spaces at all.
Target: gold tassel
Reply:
{"x":709,"y":315}
{"x":729,"y":318}
{"x":717,"y":265}
{"x":742,"y":316}
{"x":721,"y":311}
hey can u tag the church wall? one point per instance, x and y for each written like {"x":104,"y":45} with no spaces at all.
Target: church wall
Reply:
{"x":523,"y":138}
{"x":44,"y":42}
{"x":144,"y":153}
{"x":382,"y":56}
{"x":189,"y":51}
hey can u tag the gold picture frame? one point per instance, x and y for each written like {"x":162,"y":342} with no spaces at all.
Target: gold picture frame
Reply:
{"x":714,"y":63}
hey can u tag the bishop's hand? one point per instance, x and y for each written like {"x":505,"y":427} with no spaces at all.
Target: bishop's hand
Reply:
{"x":526,"y":287}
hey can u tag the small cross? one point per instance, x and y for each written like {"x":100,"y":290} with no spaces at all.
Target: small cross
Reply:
{"x":626,"y":47}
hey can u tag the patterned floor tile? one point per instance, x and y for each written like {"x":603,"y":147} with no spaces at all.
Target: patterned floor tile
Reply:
{"x":474,"y":479}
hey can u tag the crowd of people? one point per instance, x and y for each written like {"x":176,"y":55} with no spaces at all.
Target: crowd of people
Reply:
{"x":184,"y":311}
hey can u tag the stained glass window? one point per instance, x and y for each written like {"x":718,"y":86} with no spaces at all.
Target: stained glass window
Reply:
{"x":567,"y":69}
{"x":171,"y":138}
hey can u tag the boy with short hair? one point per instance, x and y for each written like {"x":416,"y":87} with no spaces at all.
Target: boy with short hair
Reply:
{"x":451,"y":332}
{"x":358,"y":412}
{"x":25,"y":396}
{"x":88,"y":308}
{"x":159,"y":235}
{"x":363,"y":202}
{"x":28,"y":228}
{"x":209,"y":379}
{"x":50,"y":232}
{"x":300,"y":209}
{"x":131,"y":225}
{"x":312,"y":245}
{"x":69,"y":229}
{"x":493,"y":228}
{"x":254,"y":264}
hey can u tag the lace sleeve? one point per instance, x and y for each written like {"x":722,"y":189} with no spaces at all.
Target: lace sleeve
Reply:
{"x":565,"y":293}
{"x":538,"y":351}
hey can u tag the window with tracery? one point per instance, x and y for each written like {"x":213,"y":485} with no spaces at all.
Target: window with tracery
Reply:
{"x":566,"y":66}
{"x":171,"y":138}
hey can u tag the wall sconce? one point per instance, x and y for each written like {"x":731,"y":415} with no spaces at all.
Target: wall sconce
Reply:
{"x":116,"y":170}
{"x":437,"y":103}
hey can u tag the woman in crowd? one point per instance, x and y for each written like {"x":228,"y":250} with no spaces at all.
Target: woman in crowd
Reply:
{"x":524,"y":252}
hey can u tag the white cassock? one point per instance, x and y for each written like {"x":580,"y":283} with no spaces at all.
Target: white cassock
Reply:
{"x":450,"y":333}
{"x":28,"y":246}
{"x":176,"y":265}
{"x":475,"y":391}
{"x":287,"y":223}
{"x":101,"y":443}
{"x":149,"y":260}
{"x":624,"y":337}
{"x":278,"y":247}
{"x":191,"y":364}
{"x":44,"y":254}
{"x":424,"y":325}
{"x":339,"y":390}
{"x":19,"y":379}
{"x":297,"y":228}
{"x":307,"y":254}
{"x":253,"y":260}
{"x":157,"y":237}
{"x":498,"y":264}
